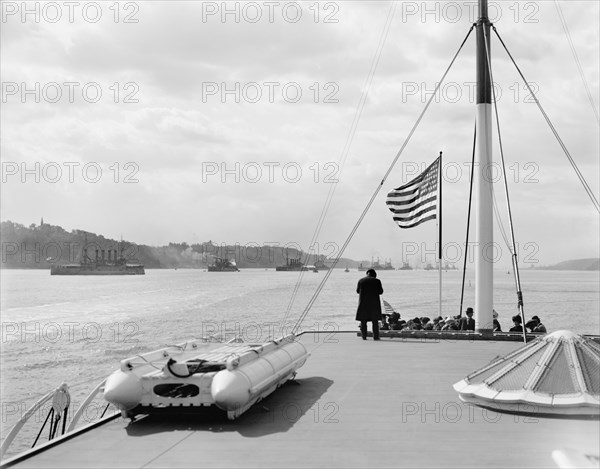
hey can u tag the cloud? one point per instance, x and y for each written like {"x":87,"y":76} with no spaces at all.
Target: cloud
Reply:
{"x":206,"y":112}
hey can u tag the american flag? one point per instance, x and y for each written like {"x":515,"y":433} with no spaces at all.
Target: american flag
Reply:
{"x":415,"y":202}
{"x":389,"y":309}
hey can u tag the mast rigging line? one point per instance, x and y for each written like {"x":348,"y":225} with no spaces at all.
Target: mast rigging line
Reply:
{"x":378,"y":188}
{"x":345,"y":150}
{"x":500,"y":224}
{"x":471,"y":180}
{"x":582,"y":179}
{"x":576,"y":58}
{"x":510,"y":219}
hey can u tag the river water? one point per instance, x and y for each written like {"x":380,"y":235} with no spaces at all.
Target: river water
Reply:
{"x":76,"y":329}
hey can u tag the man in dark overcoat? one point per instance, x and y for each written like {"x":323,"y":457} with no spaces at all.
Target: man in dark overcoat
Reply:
{"x":467,"y":323}
{"x":369,"y":307}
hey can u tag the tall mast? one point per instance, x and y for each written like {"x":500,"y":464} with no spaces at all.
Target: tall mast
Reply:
{"x":484,"y":259}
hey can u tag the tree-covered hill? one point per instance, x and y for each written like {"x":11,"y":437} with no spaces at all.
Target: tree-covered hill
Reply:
{"x":39,"y":246}
{"x":576,"y":264}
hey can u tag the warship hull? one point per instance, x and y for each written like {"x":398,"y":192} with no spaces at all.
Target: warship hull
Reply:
{"x":97,"y":270}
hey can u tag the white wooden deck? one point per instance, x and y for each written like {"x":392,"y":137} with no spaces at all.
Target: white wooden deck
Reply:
{"x":355,"y":404}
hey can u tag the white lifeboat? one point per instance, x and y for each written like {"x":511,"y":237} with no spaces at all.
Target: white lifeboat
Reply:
{"x":232,"y":377}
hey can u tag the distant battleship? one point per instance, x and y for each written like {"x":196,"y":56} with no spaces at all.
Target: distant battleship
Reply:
{"x":447,"y":267}
{"x":106,"y":262}
{"x":405,"y":266}
{"x":223,"y":265}
{"x":376,"y":265}
{"x":320,"y":264}
{"x":292,"y":265}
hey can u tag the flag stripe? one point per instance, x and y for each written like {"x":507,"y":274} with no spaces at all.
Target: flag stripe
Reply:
{"x":414,"y":216}
{"x":412,"y":225}
{"x":388,"y":307}
{"x":414,"y":202}
{"x":411,"y":205}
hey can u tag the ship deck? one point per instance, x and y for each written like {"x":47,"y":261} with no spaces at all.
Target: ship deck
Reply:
{"x":354,"y":403}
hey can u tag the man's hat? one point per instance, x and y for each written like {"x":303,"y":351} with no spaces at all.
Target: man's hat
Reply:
{"x":469,"y":310}
{"x":531,"y":323}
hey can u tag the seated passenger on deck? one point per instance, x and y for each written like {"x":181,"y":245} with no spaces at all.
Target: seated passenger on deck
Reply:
{"x":497,"y":327}
{"x":391,"y":322}
{"x":517,"y":324}
{"x":535,"y":325}
{"x":450,"y":324}
{"x":399,"y":325}
{"x":383,"y":324}
{"x":415,"y":324}
{"x":438,"y":323}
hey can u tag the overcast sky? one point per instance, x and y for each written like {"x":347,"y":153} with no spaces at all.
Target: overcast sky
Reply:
{"x":189,"y":121}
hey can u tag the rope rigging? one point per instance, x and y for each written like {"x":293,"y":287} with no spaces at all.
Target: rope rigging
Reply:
{"x":509,"y":211}
{"x":511,"y":244}
{"x":462,"y":290}
{"x":576,"y":58}
{"x":345,"y":150}
{"x":378,"y":188}
{"x":582,"y":179}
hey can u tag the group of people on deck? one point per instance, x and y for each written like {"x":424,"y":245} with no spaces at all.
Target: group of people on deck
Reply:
{"x":457,"y":323}
{"x":369,"y":289}
{"x":534,"y":325}
{"x":393,"y":322}
{"x":450,"y":323}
